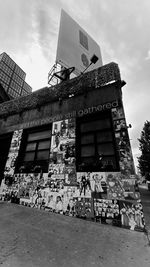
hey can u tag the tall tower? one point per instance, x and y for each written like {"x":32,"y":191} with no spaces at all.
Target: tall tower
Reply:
{"x":12,"y":78}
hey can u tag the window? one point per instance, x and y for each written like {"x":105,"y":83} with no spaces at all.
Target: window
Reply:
{"x":83,"y":40}
{"x":95,"y":144}
{"x":35,"y":149}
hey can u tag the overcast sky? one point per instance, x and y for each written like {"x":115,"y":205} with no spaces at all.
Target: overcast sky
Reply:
{"x":29,"y":34}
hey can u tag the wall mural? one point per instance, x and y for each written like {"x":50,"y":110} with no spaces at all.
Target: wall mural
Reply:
{"x":123,"y":143}
{"x":13,"y":152}
{"x":103,"y":197}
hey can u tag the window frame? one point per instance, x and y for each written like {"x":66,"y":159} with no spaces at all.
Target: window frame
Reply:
{"x":100,"y":116}
{"x":30,"y":165}
{"x":83,"y":40}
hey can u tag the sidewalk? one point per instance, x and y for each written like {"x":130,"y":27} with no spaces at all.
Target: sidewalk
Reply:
{"x":36,"y":238}
{"x":145,"y":198}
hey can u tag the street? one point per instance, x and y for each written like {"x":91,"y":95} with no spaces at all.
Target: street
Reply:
{"x":34,"y":238}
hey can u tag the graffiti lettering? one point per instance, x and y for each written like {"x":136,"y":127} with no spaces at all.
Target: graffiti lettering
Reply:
{"x":98,"y":108}
{"x":68,"y":115}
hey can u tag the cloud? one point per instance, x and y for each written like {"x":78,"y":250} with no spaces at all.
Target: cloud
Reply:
{"x":148,"y":55}
{"x":29,"y":34}
{"x":46,"y":24}
{"x":16,"y":32}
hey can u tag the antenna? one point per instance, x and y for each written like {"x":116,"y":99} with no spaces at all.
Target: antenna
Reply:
{"x":63,"y":74}
{"x":59,"y":74}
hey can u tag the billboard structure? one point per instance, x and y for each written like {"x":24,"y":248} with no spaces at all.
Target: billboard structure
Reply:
{"x":75,"y":47}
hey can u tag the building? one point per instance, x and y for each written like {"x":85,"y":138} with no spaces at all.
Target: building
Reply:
{"x":12,"y":78}
{"x":3,"y":95}
{"x":66,"y":149}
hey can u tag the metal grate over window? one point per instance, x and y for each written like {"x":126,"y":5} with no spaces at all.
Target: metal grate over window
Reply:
{"x":83,"y":40}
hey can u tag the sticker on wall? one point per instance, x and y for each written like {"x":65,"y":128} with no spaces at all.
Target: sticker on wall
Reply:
{"x":63,"y":142}
{"x":13,"y":153}
{"x":118,"y":113}
{"x":56,"y":169}
{"x":105,"y":197}
{"x":70,"y":175}
{"x":131,"y":190}
{"x":84,"y":182}
{"x":126,"y":162}
{"x":92,"y":184}
{"x":84,"y":208}
{"x":115,"y":189}
{"x":122,"y":140}
{"x":98,"y":184}
{"x":16,"y":139}
{"x":125,"y":153}
{"x":132,"y":215}
{"x":119,"y":125}
{"x":107,"y":211}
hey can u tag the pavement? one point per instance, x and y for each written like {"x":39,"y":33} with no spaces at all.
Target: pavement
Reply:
{"x":37,"y":238}
{"x":145,"y":198}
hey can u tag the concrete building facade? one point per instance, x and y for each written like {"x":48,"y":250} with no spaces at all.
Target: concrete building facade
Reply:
{"x":69,"y":150}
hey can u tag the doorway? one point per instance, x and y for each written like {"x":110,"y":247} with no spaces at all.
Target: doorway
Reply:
{"x":5,"y":141}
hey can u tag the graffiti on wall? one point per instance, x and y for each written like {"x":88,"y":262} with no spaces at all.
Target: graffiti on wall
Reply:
{"x":105,"y":197}
{"x":63,"y":142}
{"x":13,"y":152}
{"x":122,"y":140}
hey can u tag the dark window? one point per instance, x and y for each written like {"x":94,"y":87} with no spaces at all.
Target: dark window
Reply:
{"x":95,"y":143}
{"x":5,"y":141}
{"x":83,"y":40}
{"x":35,"y":149}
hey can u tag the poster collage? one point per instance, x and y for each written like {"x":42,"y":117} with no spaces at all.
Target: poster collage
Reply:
{"x":104,"y":197}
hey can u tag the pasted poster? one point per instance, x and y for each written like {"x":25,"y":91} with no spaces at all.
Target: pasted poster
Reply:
{"x":92,"y":184}
{"x":132,"y":216}
{"x":121,"y":213}
{"x":13,"y":152}
{"x":107,"y":211}
{"x":63,"y":142}
{"x":122,"y":141}
{"x":115,"y":189}
{"x":105,"y":197}
{"x":84,"y":207}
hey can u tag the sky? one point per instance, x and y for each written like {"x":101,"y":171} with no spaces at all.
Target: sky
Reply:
{"x":29,"y":34}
